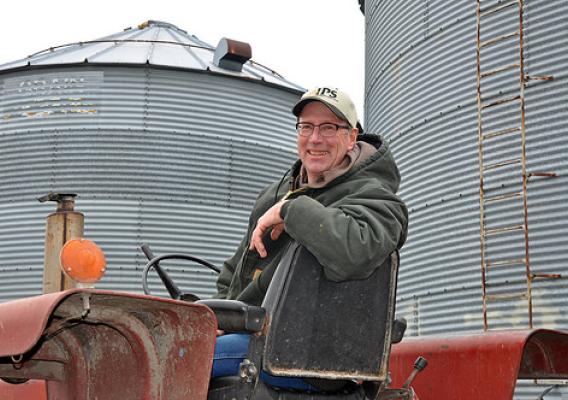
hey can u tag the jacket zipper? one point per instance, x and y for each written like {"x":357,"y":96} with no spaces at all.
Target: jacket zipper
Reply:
{"x":293,"y":192}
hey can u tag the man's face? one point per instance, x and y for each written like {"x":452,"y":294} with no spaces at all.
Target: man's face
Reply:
{"x":318,"y":153}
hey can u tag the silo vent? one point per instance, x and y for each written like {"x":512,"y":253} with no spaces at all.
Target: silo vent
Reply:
{"x":231,"y":54}
{"x":160,"y":24}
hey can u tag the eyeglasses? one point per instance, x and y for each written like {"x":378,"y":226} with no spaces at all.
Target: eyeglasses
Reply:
{"x":326,"y":129}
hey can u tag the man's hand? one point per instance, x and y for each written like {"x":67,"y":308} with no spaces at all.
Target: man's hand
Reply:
{"x":270,"y":219}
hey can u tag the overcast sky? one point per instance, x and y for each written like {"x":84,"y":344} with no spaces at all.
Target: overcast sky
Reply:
{"x":309,"y":42}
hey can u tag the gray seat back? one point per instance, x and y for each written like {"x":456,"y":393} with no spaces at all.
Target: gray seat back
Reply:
{"x":331,"y":330}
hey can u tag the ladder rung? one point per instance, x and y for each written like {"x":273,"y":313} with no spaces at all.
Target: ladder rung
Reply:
{"x":498,"y":39}
{"x":502,"y":197}
{"x":542,"y":174}
{"x":506,"y":296}
{"x":539,"y":78}
{"x":498,"y":70}
{"x":546,"y":276}
{"x":502,"y":101}
{"x":489,"y":167}
{"x":504,"y":229}
{"x":500,"y":133}
{"x":503,"y":263}
{"x":496,"y":9}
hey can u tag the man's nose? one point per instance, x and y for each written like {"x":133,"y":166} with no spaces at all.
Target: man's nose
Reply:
{"x":316,"y":136}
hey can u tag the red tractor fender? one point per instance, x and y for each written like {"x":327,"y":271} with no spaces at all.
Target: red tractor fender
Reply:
{"x":88,"y":344}
{"x":32,"y":389}
{"x":480,"y":366}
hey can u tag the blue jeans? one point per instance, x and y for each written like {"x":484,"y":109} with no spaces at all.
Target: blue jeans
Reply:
{"x":230,"y":351}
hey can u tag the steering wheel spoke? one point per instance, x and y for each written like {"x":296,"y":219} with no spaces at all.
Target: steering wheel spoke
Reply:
{"x":154,"y":262}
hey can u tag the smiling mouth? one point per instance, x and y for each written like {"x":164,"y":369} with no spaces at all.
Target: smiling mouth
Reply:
{"x":317,"y":153}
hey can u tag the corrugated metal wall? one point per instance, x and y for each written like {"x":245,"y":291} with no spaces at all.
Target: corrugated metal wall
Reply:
{"x":421,"y":94}
{"x":173,"y":158}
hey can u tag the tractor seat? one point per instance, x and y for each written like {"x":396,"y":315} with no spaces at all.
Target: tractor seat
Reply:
{"x":305,"y":325}
{"x":236,"y":316}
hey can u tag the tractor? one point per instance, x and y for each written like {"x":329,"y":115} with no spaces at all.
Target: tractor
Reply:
{"x":340,"y":337}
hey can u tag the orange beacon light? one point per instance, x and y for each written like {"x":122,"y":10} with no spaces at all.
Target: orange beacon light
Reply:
{"x":83,"y":261}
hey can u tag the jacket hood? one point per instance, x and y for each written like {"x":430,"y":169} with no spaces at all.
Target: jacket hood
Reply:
{"x":381,"y":164}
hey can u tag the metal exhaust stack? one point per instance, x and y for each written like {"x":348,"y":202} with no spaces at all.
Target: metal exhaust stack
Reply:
{"x":62,"y":225}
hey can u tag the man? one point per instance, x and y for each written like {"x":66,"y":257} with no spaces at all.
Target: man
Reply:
{"x":339,"y":202}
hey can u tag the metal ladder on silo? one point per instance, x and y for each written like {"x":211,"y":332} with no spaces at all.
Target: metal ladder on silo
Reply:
{"x":484,"y":140}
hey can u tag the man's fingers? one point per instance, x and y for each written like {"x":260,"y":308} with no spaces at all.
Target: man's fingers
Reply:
{"x":256,"y":242}
{"x":259,"y":246}
{"x":270,"y":219}
{"x":261,"y":250}
{"x":276,"y":231}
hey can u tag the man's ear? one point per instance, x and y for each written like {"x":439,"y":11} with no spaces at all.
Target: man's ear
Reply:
{"x":352,"y":138}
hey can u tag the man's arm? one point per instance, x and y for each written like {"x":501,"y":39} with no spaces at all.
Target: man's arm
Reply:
{"x":348,"y":238}
{"x":352,"y":236}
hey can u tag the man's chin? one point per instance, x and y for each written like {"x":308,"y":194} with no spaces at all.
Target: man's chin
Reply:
{"x":317,"y":164}
{"x":315,"y":170}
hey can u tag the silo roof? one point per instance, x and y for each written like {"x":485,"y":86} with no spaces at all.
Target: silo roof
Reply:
{"x":154,"y":43}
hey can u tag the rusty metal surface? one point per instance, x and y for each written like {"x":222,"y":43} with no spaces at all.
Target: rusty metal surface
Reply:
{"x":124,"y":347}
{"x":23,"y":322}
{"x":480,"y":366}
{"x":30,"y":390}
{"x":61,"y":226}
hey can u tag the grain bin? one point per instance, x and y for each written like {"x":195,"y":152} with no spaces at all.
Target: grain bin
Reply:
{"x":164,"y":138}
{"x":472,"y":97}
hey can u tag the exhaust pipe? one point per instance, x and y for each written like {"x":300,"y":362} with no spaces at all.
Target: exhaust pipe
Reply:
{"x":62,"y":225}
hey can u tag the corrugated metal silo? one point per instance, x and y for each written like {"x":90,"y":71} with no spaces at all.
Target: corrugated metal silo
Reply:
{"x":161,"y":141}
{"x":422,"y":71}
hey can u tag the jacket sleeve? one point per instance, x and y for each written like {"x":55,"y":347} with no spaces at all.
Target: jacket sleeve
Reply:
{"x":352,"y":236}
{"x":230,"y":265}
{"x":226,"y":276}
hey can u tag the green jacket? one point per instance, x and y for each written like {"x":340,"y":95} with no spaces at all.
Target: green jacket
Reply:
{"x":351,"y":225}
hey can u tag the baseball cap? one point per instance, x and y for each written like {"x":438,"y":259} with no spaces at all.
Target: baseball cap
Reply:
{"x":335,"y":99}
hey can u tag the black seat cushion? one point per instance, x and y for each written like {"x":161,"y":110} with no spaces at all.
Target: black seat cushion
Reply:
{"x":236,"y":316}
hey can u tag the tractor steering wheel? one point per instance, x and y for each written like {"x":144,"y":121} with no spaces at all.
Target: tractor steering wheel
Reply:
{"x":172,"y":289}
